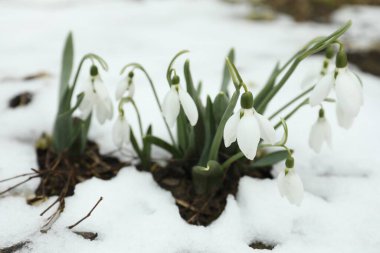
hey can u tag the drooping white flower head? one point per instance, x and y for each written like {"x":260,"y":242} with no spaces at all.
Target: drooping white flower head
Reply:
{"x":349,"y":93}
{"x":96,"y":98}
{"x":344,"y":120}
{"x":290,"y":186}
{"x":348,"y":90}
{"x":121,"y":131}
{"x":175,"y":98}
{"x":313,"y":78}
{"x":125,"y":85}
{"x":247,"y":127}
{"x":320,"y":133}
{"x":322,"y":89}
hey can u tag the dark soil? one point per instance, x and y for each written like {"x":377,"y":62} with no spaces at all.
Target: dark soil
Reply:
{"x":261,"y":245}
{"x":14,"y":248}
{"x":61,"y":173}
{"x":366,"y":60}
{"x":200,"y":209}
{"x":21,"y":99}
{"x":314,"y":10}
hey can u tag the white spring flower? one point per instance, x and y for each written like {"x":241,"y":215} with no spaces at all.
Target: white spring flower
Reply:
{"x":320,"y":133}
{"x":247,"y":127}
{"x":290,"y":186}
{"x":96,"y":99}
{"x":175,"y":98}
{"x":348,"y":90}
{"x":121,"y":131}
{"x":125,"y":85}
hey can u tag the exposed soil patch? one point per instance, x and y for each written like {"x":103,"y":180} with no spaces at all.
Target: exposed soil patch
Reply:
{"x":14,"y":248}
{"x":21,"y":99}
{"x":366,"y":60}
{"x":62,"y":172}
{"x":200,"y":209}
{"x":261,"y":245}
{"x":314,"y":10}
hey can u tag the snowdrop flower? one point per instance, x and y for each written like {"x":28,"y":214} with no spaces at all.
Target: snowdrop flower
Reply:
{"x":349,"y":94}
{"x":124,"y":85}
{"x":174,"y":99}
{"x":290,"y":184}
{"x":312,"y":78}
{"x":96,"y":98}
{"x":247,"y":127}
{"x":320,"y":133}
{"x":120,"y":131}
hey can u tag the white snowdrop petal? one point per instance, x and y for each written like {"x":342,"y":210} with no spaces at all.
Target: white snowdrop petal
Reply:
{"x":109,"y":107}
{"x":248,"y":134}
{"x":86,"y":107}
{"x":267,"y":132}
{"x":230,"y":129}
{"x":117,"y":133}
{"x":291,"y":187}
{"x":131,"y":89}
{"x":321,"y":89}
{"x":317,"y":134}
{"x":171,"y":106}
{"x":344,"y":120}
{"x":348,"y":92}
{"x":101,"y":112}
{"x":188,"y":106}
{"x":327,"y":133}
{"x":121,"y":88}
{"x":100,"y":88}
{"x":310,"y":79}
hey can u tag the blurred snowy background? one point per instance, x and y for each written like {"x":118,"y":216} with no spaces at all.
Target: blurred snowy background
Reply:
{"x":341,"y":208}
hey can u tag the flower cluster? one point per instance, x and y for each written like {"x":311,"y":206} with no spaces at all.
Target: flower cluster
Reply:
{"x":202,"y":127}
{"x":349,"y":98}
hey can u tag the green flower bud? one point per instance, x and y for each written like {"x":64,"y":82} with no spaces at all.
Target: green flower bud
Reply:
{"x":341,"y":59}
{"x":94,"y":71}
{"x":321,"y":113}
{"x":329,"y":53}
{"x":175,"y":80}
{"x":246,"y":100}
{"x":289,"y":162}
{"x":130,"y":74}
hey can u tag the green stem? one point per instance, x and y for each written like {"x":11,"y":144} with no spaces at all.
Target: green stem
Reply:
{"x":138,"y":66}
{"x":92,"y":57}
{"x":305,"y":102}
{"x":231,"y":160}
{"x":291,"y":102}
{"x":322,"y":44}
{"x":219,"y":132}
{"x":138,"y":117}
{"x":170,"y":69}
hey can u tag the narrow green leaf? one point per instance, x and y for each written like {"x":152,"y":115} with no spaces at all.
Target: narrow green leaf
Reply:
{"x":199,"y":88}
{"x":135,"y":145}
{"x":147,"y":147}
{"x":67,"y":65}
{"x":266,"y":89}
{"x":209,"y":132}
{"x":219,"y":131}
{"x":183,"y":130}
{"x":226,"y":74}
{"x":219,"y":106}
{"x":270,"y":159}
{"x":162,"y":144}
{"x":197,"y":133}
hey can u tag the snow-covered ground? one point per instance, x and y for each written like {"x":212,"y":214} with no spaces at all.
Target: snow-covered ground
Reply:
{"x":340,"y":212}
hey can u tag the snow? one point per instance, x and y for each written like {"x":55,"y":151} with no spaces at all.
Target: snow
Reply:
{"x":341,"y":203}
